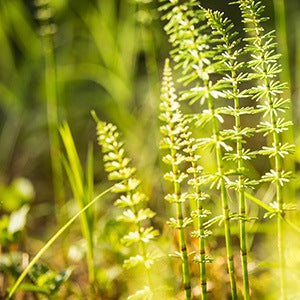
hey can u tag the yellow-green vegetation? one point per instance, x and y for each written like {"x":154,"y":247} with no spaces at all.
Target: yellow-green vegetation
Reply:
{"x":149,"y":150}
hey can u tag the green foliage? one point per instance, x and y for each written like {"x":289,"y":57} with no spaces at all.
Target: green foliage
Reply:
{"x":10,"y":263}
{"x":47,"y":280}
{"x":210,"y":58}
{"x":265,"y":67}
{"x":51,"y":241}
{"x":42,"y":279}
{"x":226,"y":129}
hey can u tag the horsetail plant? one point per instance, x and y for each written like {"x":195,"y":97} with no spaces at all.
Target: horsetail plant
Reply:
{"x":265,"y":67}
{"x":131,"y":200}
{"x":200,"y":213}
{"x":194,"y":54}
{"x":227,"y":43}
{"x":172,"y":130}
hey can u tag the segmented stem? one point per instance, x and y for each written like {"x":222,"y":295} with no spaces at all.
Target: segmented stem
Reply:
{"x":241,"y":192}
{"x":179,"y":217}
{"x":199,"y":196}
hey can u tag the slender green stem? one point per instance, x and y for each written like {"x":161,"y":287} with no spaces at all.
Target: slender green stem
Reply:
{"x":279,"y":189}
{"x":240,"y":162}
{"x":199,"y":209}
{"x":51,"y":241}
{"x":201,"y":229}
{"x":241,"y":192}
{"x":258,"y":202}
{"x":224,"y":197}
{"x":88,"y":235}
{"x":52,"y":117}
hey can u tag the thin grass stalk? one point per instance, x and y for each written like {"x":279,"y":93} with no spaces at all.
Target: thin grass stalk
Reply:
{"x":82,"y":192}
{"x":270,"y":210}
{"x":147,"y":33}
{"x":47,"y":32}
{"x":52,"y":117}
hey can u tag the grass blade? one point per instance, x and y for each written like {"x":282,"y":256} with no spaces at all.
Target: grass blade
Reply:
{"x":52,"y":240}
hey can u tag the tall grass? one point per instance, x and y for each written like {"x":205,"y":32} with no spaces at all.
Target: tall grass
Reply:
{"x":82,"y":186}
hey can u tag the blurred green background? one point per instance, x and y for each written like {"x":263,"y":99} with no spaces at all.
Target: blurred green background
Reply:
{"x":109,"y":55}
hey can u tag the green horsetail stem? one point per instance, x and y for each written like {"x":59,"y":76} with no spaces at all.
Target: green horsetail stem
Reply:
{"x":172,"y":130}
{"x":266,"y":68}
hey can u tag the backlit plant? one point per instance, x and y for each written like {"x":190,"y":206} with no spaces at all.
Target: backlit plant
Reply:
{"x":265,"y":67}
{"x":208,"y":53}
{"x":172,"y":129}
{"x":135,"y":213}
